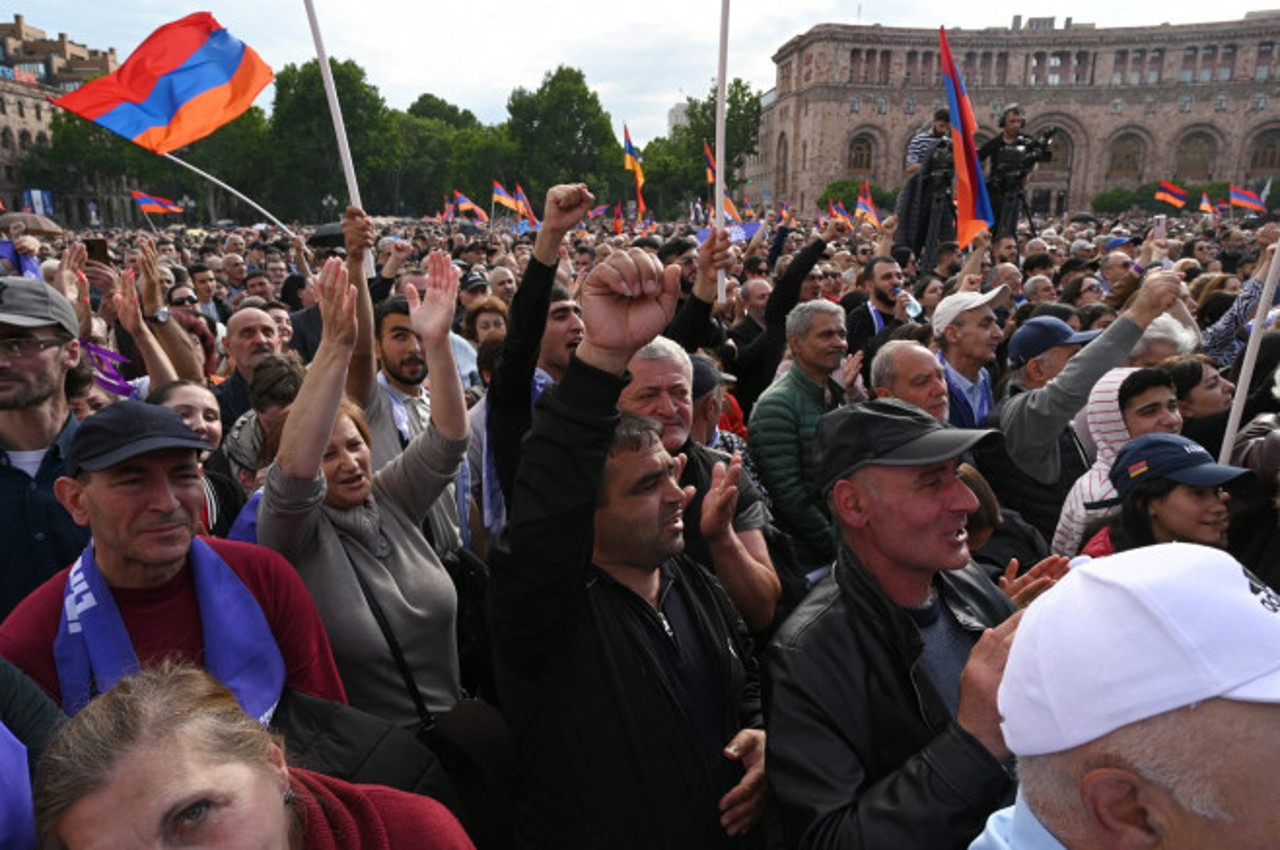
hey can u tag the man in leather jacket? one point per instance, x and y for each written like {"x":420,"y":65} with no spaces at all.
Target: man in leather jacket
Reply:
{"x":883,"y":729}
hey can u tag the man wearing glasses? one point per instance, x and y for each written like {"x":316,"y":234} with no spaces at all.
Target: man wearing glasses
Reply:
{"x":38,"y":346}
{"x":1114,"y":266}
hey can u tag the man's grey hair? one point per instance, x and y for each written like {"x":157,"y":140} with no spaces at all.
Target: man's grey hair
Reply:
{"x":1167,"y":750}
{"x":1036,"y":282}
{"x":1166,"y":329}
{"x":800,"y":319}
{"x":662,"y":348}
{"x":884,"y":366}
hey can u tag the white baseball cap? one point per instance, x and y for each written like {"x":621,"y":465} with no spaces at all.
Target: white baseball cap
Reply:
{"x":958,"y":302}
{"x":1134,"y":635}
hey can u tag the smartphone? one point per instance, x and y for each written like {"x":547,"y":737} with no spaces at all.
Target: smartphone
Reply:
{"x":97,"y":250}
{"x":1159,"y":229}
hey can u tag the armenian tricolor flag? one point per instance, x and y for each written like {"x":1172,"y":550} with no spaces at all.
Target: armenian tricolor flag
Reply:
{"x":1171,"y":194}
{"x":785,"y":219}
{"x":973,"y":207}
{"x":618,"y":220}
{"x":867,"y":206}
{"x":185,"y":81}
{"x":1205,"y":206}
{"x":1248,"y":200}
{"x":501,"y":196}
{"x":154,"y":203}
{"x":526,"y":208}
{"x":747,"y":211}
{"x":730,"y":211}
{"x":710,"y":161}
{"x":462,"y":204}
{"x":596,"y":212}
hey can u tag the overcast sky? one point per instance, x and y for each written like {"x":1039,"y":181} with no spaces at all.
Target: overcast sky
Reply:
{"x":473,"y":55}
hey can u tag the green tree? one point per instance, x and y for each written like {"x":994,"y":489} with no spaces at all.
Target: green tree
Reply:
{"x":481,"y":153}
{"x":1114,"y":200}
{"x":239,"y":154}
{"x":305,"y":162}
{"x":420,"y":176}
{"x":671,"y":177}
{"x":430,"y":106}
{"x":564,"y":135}
{"x":741,"y":127}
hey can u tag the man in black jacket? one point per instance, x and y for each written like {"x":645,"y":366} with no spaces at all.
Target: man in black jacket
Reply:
{"x":883,"y":729}
{"x":623,"y":666}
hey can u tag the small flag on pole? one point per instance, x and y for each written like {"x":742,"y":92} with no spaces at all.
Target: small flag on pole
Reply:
{"x":1246,"y":199}
{"x":596,"y":212}
{"x":867,"y":206}
{"x":1171,"y":194}
{"x":527,"y":207}
{"x":1205,"y":206}
{"x":154,"y":203}
{"x":186,"y":80}
{"x":710,"y":159}
{"x":463,"y":204}
{"x":730,"y":210}
{"x":501,"y":196}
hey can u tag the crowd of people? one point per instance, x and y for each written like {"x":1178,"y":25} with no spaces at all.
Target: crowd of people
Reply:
{"x":862,"y":554}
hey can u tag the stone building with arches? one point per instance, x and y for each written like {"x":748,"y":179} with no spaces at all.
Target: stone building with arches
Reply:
{"x":1191,"y":103}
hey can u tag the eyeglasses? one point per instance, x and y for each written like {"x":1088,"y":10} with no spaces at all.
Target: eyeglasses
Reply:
{"x":184,"y":301}
{"x":1093,"y":287}
{"x":864,"y":252}
{"x":27,"y":347}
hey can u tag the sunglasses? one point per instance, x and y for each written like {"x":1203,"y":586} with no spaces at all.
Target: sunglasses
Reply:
{"x":184,"y":301}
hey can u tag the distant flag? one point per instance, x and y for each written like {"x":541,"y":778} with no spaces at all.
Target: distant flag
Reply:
{"x":710,"y":159}
{"x":973,"y":207}
{"x":523,"y":201}
{"x":618,"y":221}
{"x":596,"y":212}
{"x":836,"y":210}
{"x":1244,"y":198}
{"x":465,"y":204}
{"x":1262,"y":196}
{"x":185,"y":81}
{"x":747,"y":211}
{"x":630,"y":159}
{"x":154,"y":203}
{"x":450,"y":210}
{"x":1171,"y":194}
{"x":1205,"y":206}
{"x":1222,"y":207}
{"x":867,"y":206}
{"x":730,"y":211}
{"x":785,"y":219}
{"x":500,"y":196}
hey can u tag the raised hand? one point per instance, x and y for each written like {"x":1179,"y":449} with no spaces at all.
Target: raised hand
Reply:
{"x":337,"y":299}
{"x":358,"y":234}
{"x":626,"y":301}
{"x":567,"y":204}
{"x":431,"y":313}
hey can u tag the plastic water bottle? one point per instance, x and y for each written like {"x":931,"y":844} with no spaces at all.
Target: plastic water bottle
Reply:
{"x":913,"y":306}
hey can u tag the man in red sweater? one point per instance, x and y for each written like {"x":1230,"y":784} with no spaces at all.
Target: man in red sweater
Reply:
{"x":147,"y":589}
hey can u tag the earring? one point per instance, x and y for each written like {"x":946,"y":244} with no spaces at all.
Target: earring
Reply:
{"x":289,"y":797}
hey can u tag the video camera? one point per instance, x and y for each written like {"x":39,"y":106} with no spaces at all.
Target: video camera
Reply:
{"x":1013,"y":162}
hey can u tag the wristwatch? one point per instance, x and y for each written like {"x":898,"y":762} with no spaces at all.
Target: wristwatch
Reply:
{"x":161,"y":316}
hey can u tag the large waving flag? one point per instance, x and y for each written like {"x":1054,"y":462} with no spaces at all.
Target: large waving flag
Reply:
{"x":462,"y":203}
{"x":973,"y":207}
{"x":501,"y":196}
{"x":710,"y":161}
{"x":1244,"y":198}
{"x":185,"y":81}
{"x":1171,"y":194}
{"x":154,"y":203}
{"x":866,"y":208}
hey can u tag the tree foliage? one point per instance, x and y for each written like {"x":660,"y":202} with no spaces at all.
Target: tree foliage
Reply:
{"x":741,"y":127}
{"x":430,"y":106}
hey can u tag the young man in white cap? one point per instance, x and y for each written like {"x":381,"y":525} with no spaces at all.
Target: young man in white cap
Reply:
{"x":1142,"y":697}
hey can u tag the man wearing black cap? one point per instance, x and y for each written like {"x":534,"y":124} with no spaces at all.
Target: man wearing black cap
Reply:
{"x":38,"y":346}
{"x":1033,"y":468}
{"x":884,"y":730}
{"x":147,"y":589}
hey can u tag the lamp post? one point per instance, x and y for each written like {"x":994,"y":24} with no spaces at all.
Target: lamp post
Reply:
{"x":329,"y":202}
{"x":186,"y":202}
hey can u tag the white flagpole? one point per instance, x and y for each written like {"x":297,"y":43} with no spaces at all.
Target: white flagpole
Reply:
{"x":215,"y":181}
{"x":339,"y":127}
{"x":720,"y":144}
{"x":1250,"y":358}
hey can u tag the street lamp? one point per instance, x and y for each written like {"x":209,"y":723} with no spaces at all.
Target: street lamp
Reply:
{"x":329,"y":202}
{"x":186,"y":203}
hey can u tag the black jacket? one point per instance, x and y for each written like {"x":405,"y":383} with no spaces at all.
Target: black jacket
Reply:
{"x":608,"y":756}
{"x":862,"y":752}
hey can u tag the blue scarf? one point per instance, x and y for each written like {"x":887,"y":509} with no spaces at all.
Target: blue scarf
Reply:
{"x":93,"y":650}
{"x":17,"y":820}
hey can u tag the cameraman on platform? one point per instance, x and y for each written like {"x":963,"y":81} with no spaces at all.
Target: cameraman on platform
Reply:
{"x":921,"y":144}
{"x":1007,"y":175}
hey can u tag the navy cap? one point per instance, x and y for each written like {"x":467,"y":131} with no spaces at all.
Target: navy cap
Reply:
{"x":1036,"y":336}
{"x":473,"y":280}
{"x":1169,"y":456}
{"x":706,"y":375}
{"x":125,"y":430}
{"x":885,"y":432}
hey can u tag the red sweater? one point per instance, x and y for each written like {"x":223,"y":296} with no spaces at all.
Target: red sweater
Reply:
{"x":337,"y":815}
{"x":164,"y":622}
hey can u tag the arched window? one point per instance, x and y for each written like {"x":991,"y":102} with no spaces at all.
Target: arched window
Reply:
{"x":782,"y":166}
{"x":860,"y":153}
{"x":1195,"y":157}
{"x":1264,"y":154}
{"x":1124,"y":160}
{"x":24,"y":140}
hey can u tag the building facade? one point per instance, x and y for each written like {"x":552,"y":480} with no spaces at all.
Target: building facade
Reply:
{"x":1191,"y":103}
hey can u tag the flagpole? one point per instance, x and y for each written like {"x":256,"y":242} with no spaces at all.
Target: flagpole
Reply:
{"x":215,"y":181}
{"x":149,"y":221}
{"x":339,"y":127}
{"x":721,"y":285}
{"x":1250,"y":358}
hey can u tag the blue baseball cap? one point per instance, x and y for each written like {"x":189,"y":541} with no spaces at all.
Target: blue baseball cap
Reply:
{"x":1036,"y":336}
{"x":1172,"y":457}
